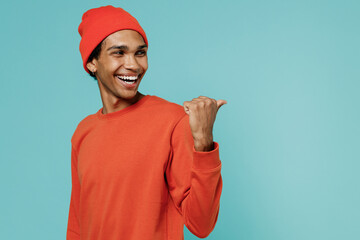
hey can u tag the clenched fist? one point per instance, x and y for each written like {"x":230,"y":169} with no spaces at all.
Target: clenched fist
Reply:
{"x":202,"y":113}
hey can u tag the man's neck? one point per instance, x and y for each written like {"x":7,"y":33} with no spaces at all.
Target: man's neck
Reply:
{"x":115,"y":104}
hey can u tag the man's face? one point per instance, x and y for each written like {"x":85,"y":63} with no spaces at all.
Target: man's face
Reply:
{"x":121,"y":64}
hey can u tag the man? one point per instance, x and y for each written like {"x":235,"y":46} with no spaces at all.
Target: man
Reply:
{"x":142,"y":167}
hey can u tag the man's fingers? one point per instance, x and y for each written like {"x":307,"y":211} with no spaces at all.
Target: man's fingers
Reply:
{"x":187,"y":107}
{"x":200,"y":100}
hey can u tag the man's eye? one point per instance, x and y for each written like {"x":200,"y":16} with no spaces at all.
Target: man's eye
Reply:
{"x":120,"y":52}
{"x":141,"y":53}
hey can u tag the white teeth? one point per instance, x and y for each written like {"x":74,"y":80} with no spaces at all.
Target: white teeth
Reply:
{"x":132,"y":78}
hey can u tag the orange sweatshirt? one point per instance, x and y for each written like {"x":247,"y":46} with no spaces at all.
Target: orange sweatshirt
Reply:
{"x":136,"y":176}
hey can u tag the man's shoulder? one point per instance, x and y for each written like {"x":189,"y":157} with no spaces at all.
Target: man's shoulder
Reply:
{"x":165,"y":103}
{"x":166,"y":108}
{"x":87,"y":121}
{"x":85,"y":125}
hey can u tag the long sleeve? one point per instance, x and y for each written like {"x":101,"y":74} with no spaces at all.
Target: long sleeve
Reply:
{"x":73,"y":228}
{"x":194,"y":180}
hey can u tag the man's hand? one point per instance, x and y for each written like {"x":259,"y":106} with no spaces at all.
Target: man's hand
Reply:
{"x":202,"y":113}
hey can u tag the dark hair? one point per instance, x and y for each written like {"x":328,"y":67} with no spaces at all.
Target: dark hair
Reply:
{"x":95,"y":54}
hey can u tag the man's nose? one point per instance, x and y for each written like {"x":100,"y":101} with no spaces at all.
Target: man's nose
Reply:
{"x":131,"y":63}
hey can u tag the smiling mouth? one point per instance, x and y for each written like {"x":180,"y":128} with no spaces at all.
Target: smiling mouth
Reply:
{"x":128,"y":79}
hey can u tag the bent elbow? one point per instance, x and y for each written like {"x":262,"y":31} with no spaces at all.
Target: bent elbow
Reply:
{"x":201,"y":228}
{"x":201,"y":232}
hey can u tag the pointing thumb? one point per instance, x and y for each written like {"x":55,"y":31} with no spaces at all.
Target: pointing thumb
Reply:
{"x":220,"y":103}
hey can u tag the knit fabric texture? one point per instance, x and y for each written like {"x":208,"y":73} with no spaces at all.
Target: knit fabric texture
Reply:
{"x":137,"y":176}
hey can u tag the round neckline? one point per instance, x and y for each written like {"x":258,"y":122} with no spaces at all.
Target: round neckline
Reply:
{"x":115,"y":114}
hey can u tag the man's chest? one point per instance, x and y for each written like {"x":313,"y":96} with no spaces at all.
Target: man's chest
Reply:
{"x":124,"y":151}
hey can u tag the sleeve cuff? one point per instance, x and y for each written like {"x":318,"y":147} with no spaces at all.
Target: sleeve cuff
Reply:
{"x":206,"y":160}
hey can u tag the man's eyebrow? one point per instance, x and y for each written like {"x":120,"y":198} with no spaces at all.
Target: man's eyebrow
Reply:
{"x":126,"y":48}
{"x":122,"y":47}
{"x":142,"y":46}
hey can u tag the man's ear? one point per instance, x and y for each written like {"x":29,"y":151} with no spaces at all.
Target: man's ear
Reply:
{"x":91,"y":65}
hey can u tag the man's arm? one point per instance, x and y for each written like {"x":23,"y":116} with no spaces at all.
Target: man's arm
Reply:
{"x":73,"y":228}
{"x":194,"y":180}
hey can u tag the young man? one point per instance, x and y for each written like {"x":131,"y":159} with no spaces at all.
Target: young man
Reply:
{"x":141,"y":166}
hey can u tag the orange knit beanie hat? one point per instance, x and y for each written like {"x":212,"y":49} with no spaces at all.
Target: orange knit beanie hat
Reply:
{"x":98,"y":23}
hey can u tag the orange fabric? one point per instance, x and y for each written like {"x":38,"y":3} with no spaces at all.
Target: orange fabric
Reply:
{"x":136,"y":176}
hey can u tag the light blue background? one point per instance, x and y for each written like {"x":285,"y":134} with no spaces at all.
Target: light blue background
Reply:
{"x":289,"y":135}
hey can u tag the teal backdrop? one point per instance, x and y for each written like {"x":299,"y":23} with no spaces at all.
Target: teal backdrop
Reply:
{"x":289,"y":136}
